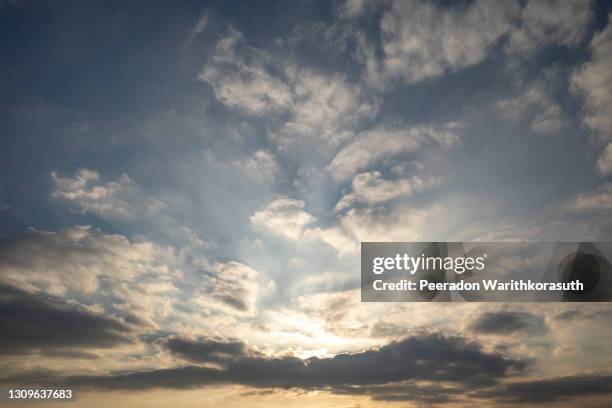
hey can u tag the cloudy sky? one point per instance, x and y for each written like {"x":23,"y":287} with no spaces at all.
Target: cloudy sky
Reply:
{"x":184,"y":187}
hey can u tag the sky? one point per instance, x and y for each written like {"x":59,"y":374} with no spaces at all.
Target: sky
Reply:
{"x":184,"y":187}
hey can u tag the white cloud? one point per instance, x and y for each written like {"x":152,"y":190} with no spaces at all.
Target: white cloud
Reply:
{"x":116,"y":199}
{"x":313,"y":104}
{"x":370,"y":188}
{"x":336,"y":237}
{"x":284,"y":216}
{"x":544,"y":22}
{"x":240,"y":80}
{"x":287,"y":218}
{"x":549,"y":116}
{"x":402,"y":223}
{"x":324,"y":107}
{"x":601,"y":198}
{"x":140,"y":279}
{"x":78,"y":258}
{"x":262,"y":166}
{"x":422,"y":40}
{"x":372,"y":146}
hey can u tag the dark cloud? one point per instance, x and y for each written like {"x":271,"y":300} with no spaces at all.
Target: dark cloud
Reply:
{"x":393,"y":372}
{"x":235,"y":301}
{"x":551,"y":389}
{"x":408,"y":391}
{"x":204,"y":351}
{"x":36,"y":323}
{"x":425,"y":357}
{"x":75,"y":354}
{"x":506,"y":322}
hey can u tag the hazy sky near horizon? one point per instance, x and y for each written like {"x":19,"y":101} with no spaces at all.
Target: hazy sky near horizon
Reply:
{"x":184,"y":187}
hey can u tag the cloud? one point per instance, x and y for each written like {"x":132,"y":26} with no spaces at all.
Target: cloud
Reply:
{"x":204,"y":350}
{"x":77,"y":258}
{"x":604,"y":163}
{"x":304,"y":102}
{"x":336,"y":237}
{"x":139,"y":280}
{"x":414,"y":51}
{"x":550,"y":120}
{"x":116,"y":199}
{"x":37,"y":323}
{"x":399,"y":223}
{"x":548,"y":116}
{"x":506,"y":322}
{"x":262,"y":165}
{"x":371,"y":146}
{"x":423,"y":394}
{"x":427,"y":357}
{"x":593,"y":80}
{"x":569,"y":388}
{"x":550,"y":22}
{"x":287,"y":218}
{"x":283,"y":216}
{"x":199,"y":26}
{"x":422,"y":40}
{"x":352,"y":8}
{"x":370,"y":188}
{"x":583,"y":315}
{"x":324,"y":107}
{"x":232,"y":287}
{"x":601,"y":198}
{"x":240,"y":80}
